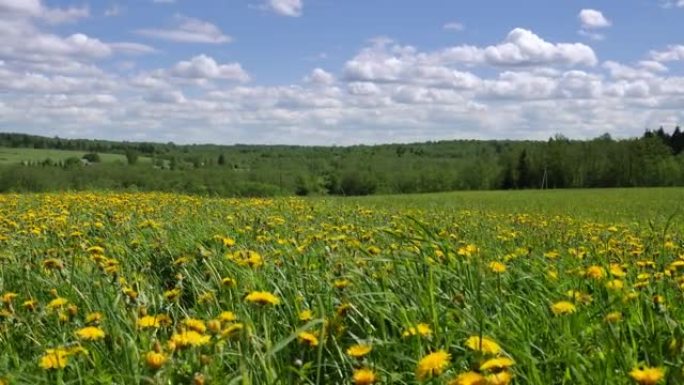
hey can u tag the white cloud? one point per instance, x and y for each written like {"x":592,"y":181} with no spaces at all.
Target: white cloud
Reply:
{"x":454,"y":26}
{"x":320,"y":76}
{"x":672,"y":53}
{"x":292,"y":8}
{"x":593,"y":19}
{"x":36,"y":9}
{"x":189,"y":30}
{"x":203,"y":67}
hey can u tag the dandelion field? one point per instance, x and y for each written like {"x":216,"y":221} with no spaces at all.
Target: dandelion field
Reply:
{"x":573,"y":287}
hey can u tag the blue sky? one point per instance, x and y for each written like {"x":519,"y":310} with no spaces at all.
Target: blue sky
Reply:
{"x":339,"y":72}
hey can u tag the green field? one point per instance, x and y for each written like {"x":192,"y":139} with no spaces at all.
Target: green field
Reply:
{"x":19,"y":155}
{"x":486,"y":288}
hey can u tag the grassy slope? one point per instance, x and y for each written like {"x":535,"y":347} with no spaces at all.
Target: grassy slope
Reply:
{"x":18,"y":155}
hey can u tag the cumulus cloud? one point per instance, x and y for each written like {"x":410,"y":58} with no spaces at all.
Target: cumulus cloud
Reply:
{"x":320,"y":76}
{"x":671,"y":53}
{"x":593,"y":19}
{"x":188,"y":30}
{"x":36,"y":9}
{"x":204,"y":67}
{"x":292,"y":8}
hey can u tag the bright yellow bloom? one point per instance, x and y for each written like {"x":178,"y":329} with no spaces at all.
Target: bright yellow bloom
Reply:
{"x":90,"y":333}
{"x":359,"y":350}
{"x":595,"y":272}
{"x":485,"y":345}
{"x":613,"y":317}
{"x":155,"y":360}
{"x":615,"y":284}
{"x":501,"y":378}
{"x":308,"y":339}
{"x":227,"y":316}
{"x":306,"y":315}
{"x":8,"y":297}
{"x":422,"y":329}
{"x":645,"y":375}
{"x":432,"y":365}
{"x":469,"y":378}
{"x":497,"y":363}
{"x":563,"y":307}
{"x":364,"y":377}
{"x":54,"y":359}
{"x":497,"y":267}
{"x":57,"y":303}
{"x":94,"y":317}
{"x":262,"y":298}
{"x":195,"y":324}
{"x":153,"y":321}
{"x":189,"y":338}
{"x":231,"y":329}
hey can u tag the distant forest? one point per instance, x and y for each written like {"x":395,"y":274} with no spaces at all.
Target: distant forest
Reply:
{"x":654,"y":159}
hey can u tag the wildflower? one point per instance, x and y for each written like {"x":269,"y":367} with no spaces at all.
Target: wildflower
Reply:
{"x":231,"y":329}
{"x":228,"y":282}
{"x":227,"y":316}
{"x":155,"y":360}
{"x":613,"y":317}
{"x":90,"y":333}
{"x":595,"y":272}
{"x":262,"y":298}
{"x":469,"y":378}
{"x":485,"y":345}
{"x":172,"y":294}
{"x":497,"y":267}
{"x":497,"y":364}
{"x":501,"y":378}
{"x":615,"y":284}
{"x":214,"y":325}
{"x":306,"y":315}
{"x":645,"y":375}
{"x":432,"y":365}
{"x":341,"y":284}
{"x":30,"y":304}
{"x":54,"y":359}
{"x":57,"y":303}
{"x":195,"y":324}
{"x":94,"y":317}
{"x":422,"y":329}
{"x":189,"y":338}
{"x":53,"y":263}
{"x":563,"y":307}
{"x":153,"y":321}
{"x":308,"y":339}
{"x":8,"y":297}
{"x":364,"y":377}
{"x":359,"y":350}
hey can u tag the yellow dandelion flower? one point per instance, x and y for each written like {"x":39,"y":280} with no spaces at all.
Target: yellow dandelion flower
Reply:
{"x":94,"y":317}
{"x":485,"y":345}
{"x":645,"y":375}
{"x":364,"y":376}
{"x":8,"y":297}
{"x":501,"y":378}
{"x":231,"y":330}
{"x":195,"y":324}
{"x":227,"y":316}
{"x":306,"y":315}
{"x":54,"y":359}
{"x":90,"y":333}
{"x":189,"y":338}
{"x":262,"y":298}
{"x":228,"y":282}
{"x":432,"y":365}
{"x":563,"y":307}
{"x":359,"y":350}
{"x":497,"y":364}
{"x":57,"y":303}
{"x":307,"y":338}
{"x":595,"y":272}
{"x":613,"y":317}
{"x":30,"y":304}
{"x":615,"y":284}
{"x":422,"y":329}
{"x":469,"y":378}
{"x":155,"y":360}
{"x":497,"y":267}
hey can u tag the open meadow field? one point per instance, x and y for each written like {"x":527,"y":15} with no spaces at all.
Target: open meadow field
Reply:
{"x":479,"y":288}
{"x":19,"y":155}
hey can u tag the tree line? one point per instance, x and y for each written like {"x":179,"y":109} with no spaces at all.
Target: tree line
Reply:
{"x":654,"y":159}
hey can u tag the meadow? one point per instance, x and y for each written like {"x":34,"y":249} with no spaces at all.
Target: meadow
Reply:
{"x":480,"y":288}
{"x":20,"y":155}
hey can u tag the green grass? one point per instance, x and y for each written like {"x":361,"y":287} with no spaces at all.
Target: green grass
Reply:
{"x":19,"y":155}
{"x":367,"y":268}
